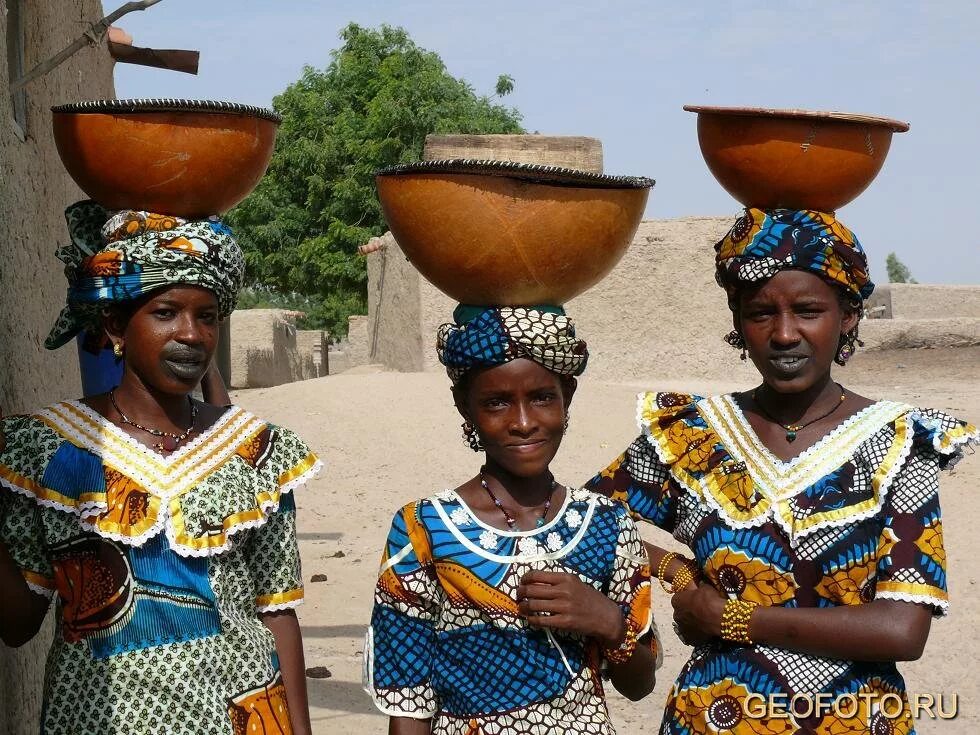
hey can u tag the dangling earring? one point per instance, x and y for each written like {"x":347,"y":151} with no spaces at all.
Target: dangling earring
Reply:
{"x":736,"y":340}
{"x":848,"y":346}
{"x":471,"y":437}
{"x":564,"y":429}
{"x":117,"y":350}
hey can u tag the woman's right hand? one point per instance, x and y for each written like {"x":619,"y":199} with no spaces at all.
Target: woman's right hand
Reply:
{"x":697,"y":613}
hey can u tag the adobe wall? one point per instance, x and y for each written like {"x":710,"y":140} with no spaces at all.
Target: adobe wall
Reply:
{"x":34,"y":191}
{"x":658,"y":314}
{"x":924,"y":301}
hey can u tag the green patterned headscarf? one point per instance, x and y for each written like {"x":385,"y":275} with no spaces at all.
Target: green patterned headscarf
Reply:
{"x":120,"y":256}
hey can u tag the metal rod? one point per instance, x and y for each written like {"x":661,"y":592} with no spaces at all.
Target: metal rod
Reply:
{"x":93,"y":36}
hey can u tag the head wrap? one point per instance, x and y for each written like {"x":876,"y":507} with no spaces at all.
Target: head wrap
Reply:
{"x":762,"y":243}
{"x":121,"y":256}
{"x":498,"y":335}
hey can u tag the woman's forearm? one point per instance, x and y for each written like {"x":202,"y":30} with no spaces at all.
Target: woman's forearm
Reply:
{"x":408,"y":726}
{"x":636,"y":677}
{"x":292,"y":664}
{"x":883,"y":630}
{"x":23,"y":610}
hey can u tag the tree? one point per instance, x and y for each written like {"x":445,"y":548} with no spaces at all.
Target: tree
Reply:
{"x":371,"y":107}
{"x":898,"y":272}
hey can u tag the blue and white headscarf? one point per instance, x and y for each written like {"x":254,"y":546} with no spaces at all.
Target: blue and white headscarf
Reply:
{"x":499,"y":334}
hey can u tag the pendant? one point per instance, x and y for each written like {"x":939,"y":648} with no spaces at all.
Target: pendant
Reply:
{"x":168,"y":443}
{"x":540,"y":522}
{"x":791,"y":436}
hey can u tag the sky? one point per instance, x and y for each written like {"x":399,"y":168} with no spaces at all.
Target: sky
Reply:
{"x":621,"y":71}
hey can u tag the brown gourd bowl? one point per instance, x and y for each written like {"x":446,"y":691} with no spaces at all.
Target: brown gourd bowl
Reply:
{"x":187,"y":158}
{"x":510,"y":234}
{"x":797,"y":159}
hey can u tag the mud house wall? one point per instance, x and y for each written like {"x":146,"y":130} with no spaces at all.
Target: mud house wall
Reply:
{"x":924,"y":301}
{"x":34,"y":191}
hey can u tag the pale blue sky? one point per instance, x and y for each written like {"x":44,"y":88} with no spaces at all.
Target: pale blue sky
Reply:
{"x":621,"y":71}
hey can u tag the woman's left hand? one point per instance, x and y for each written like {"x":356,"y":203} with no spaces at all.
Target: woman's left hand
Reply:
{"x":564,"y":602}
{"x":697,"y":614}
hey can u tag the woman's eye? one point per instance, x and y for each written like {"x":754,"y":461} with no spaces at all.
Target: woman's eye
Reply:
{"x":164,"y":313}
{"x":545,"y":397}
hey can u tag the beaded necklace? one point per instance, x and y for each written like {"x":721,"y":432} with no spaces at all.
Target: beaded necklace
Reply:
{"x":511,"y":521}
{"x":793,"y":429}
{"x":168,"y":440}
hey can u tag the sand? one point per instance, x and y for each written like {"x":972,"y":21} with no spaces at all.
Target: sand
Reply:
{"x":388,"y":438}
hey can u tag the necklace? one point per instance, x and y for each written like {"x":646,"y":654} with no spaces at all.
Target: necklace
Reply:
{"x":793,"y":429}
{"x":511,"y":522}
{"x":168,"y":440}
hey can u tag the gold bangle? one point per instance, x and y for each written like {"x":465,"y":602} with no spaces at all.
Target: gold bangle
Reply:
{"x":685,"y":575}
{"x":665,"y":561}
{"x":624,"y":651}
{"x":735,"y":619}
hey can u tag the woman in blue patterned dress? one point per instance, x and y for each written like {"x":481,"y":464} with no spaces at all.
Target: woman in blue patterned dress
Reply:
{"x":163,"y":528}
{"x":498,"y":601}
{"x":812,"y":512}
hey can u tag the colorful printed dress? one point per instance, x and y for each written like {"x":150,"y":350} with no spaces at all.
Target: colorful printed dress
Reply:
{"x":446,"y":640}
{"x":854,"y":518}
{"x":158,"y":566}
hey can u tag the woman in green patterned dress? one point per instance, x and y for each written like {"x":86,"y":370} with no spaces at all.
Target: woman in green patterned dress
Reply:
{"x":162,"y":527}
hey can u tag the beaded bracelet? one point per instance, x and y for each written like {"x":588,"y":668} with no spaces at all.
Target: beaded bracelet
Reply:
{"x":735,"y":621}
{"x":624,"y":651}
{"x":684,"y":576}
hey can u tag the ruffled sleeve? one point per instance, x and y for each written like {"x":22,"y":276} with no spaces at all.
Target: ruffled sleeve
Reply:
{"x":911,"y":555}
{"x":273,"y":550}
{"x":639,"y":476}
{"x":24,"y":498}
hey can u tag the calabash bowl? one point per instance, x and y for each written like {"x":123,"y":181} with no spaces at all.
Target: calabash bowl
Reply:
{"x":190,"y":158}
{"x":798,"y":159}
{"x":510,"y":234}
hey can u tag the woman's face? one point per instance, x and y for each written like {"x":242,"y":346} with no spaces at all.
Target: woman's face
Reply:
{"x":792,"y":326}
{"x":170,"y":338}
{"x":519,"y":410}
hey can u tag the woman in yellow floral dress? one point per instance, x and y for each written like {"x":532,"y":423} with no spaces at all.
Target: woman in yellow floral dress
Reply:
{"x":812,"y":512}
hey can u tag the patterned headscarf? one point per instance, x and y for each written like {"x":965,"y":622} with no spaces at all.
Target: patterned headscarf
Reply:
{"x":498,"y":335}
{"x":116,"y":257}
{"x":762,"y":243}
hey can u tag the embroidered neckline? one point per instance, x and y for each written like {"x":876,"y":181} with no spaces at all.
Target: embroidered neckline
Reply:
{"x":455,"y":497}
{"x":543,"y":551}
{"x":781,"y":480}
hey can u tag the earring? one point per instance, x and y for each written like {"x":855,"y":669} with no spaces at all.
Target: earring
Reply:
{"x":117,"y":350}
{"x":848,"y":346}
{"x":736,"y":340}
{"x":471,"y":437}
{"x":564,"y":429}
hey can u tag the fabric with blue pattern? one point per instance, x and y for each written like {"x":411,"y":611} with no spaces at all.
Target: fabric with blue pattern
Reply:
{"x":114,"y":257}
{"x":498,"y":335}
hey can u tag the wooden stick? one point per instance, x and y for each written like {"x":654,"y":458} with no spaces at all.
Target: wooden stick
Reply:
{"x":93,"y":36}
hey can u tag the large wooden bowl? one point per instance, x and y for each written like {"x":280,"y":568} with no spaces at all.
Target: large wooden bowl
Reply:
{"x":180,"y":157}
{"x":509,"y":234}
{"x":796,"y":159}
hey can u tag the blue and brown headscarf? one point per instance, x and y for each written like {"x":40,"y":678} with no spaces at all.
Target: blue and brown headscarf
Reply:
{"x":120,"y":256}
{"x":762,"y":243}
{"x":497,"y":335}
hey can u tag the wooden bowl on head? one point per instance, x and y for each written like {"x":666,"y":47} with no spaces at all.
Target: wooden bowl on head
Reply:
{"x":498,"y":233}
{"x":794,"y":159}
{"x":182,"y":157}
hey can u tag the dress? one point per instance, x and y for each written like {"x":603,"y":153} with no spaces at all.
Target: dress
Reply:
{"x":854,"y":518}
{"x":158,"y":566}
{"x":446,"y":640}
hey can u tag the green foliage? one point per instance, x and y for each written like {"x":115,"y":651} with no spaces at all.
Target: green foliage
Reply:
{"x":505,"y":85}
{"x":898,"y":272}
{"x":371,"y":107}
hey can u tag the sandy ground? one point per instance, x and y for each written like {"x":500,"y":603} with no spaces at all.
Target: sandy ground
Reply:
{"x":388,"y":438}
